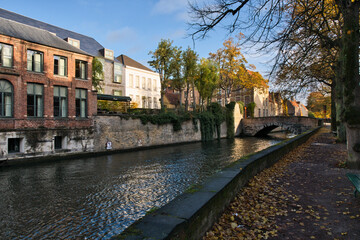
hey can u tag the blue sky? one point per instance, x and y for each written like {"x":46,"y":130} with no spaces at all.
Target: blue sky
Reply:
{"x":130,"y":27}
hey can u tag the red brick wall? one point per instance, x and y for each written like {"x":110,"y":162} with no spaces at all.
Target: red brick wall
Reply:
{"x":19,"y":77}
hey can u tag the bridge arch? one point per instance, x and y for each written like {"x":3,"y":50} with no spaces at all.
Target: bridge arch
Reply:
{"x":265,"y":130}
{"x":264,"y":125}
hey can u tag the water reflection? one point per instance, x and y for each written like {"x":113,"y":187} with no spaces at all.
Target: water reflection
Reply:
{"x":99,"y":197}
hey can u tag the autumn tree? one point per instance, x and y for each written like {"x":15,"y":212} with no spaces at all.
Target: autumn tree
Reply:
{"x":207,"y":80}
{"x":177,"y":78}
{"x":232,"y":67}
{"x":162,"y":59}
{"x":311,"y":64}
{"x":190,"y":58}
{"x":319,"y":104}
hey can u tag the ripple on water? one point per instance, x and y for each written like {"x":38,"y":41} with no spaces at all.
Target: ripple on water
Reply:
{"x":99,"y":197}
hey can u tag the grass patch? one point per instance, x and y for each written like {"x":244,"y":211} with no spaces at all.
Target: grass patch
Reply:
{"x":153,"y":209}
{"x":193,"y":188}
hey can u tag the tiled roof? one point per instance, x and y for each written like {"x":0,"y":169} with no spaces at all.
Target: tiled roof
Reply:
{"x":87,"y":44}
{"x":294,"y":103}
{"x":302,"y":105}
{"x":173,"y":98}
{"x":35,"y":35}
{"x":125,"y":60}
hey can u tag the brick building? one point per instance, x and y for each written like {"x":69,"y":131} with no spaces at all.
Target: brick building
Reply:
{"x":46,"y":97}
{"x":118,"y":72}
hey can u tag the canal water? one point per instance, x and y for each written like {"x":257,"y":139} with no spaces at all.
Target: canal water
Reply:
{"x":96,"y":198}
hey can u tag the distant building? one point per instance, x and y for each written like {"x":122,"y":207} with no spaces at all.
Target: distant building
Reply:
{"x":171,"y":99}
{"x":140,"y":83}
{"x":295,"y":108}
{"x":276,"y":104}
{"x":46,"y":98}
{"x":259,"y":96}
{"x":303,"y":111}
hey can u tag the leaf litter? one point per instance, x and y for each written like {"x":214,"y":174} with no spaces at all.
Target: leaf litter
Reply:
{"x":285,"y":202}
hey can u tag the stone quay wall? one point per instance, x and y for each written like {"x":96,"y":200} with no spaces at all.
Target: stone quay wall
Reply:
{"x":131,"y":133}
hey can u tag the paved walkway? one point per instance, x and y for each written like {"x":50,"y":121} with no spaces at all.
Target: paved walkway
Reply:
{"x":306,"y":195}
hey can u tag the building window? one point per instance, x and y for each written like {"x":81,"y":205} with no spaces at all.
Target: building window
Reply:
{"x":6,"y":98}
{"x":143,"y":82}
{"x":60,"y":65}
{"x":6,"y":55}
{"x":60,"y":101}
{"x":81,"y":102}
{"x":35,"y":61}
{"x":14,"y":145}
{"x":155,"y":103}
{"x":35,"y":100}
{"x":117,"y":73}
{"x":117,"y":93}
{"x":131,"y":80}
{"x":138,"y":100}
{"x":118,"y":78}
{"x":144,"y":102}
{"x":154,"y":85}
{"x":137,"y":81}
{"x":259,"y":112}
{"x":149,"y":102}
{"x":81,"y":69}
{"x":149,"y":84}
{"x":58,"y":142}
{"x":109,"y":54}
{"x":264,"y":113}
{"x":74,"y":42}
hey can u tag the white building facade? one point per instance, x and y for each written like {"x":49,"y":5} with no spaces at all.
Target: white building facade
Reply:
{"x":142,"y":84}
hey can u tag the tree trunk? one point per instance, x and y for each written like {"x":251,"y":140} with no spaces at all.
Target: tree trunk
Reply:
{"x":350,"y":60}
{"x":162,"y":99}
{"x":339,"y":103}
{"x":162,"y":91}
{"x":187,"y":97}
{"x":181,"y":97}
{"x":333,"y":106}
{"x":194,"y":98}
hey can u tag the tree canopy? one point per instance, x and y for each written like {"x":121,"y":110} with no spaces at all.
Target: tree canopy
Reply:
{"x":317,"y":42}
{"x":162,"y":62}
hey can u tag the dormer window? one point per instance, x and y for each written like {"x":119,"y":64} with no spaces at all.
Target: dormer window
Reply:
{"x":109,"y":54}
{"x":74,"y":42}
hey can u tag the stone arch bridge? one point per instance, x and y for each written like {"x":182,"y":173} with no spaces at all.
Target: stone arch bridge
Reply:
{"x":263,"y":125}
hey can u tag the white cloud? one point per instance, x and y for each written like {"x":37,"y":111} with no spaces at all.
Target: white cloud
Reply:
{"x":183,"y":16}
{"x":180,"y":33}
{"x":125,"y":34}
{"x":169,"y":6}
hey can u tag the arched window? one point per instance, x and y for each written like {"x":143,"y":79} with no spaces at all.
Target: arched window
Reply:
{"x":6,"y":99}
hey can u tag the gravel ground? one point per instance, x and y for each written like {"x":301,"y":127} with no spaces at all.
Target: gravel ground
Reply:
{"x":306,"y":195}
